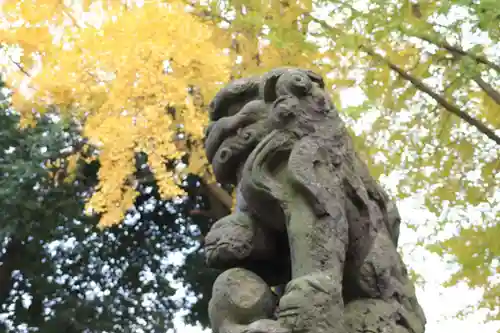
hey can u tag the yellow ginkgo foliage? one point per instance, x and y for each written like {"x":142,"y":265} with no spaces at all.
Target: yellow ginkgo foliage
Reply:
{"x":119,"y":69}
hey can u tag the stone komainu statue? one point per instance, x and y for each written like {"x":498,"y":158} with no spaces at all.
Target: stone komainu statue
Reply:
{"x":308,"y":217}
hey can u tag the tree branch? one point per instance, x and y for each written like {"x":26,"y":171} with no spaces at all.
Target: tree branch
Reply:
{"x":449,"y":106}
{"x":220,"y":194}
{"x":459,"y":53}
{"x":420,"y":85}
{"x":219,"y":200}
{"x":488,"y":89}
{"x":20,"y":67}
{"x":13,"y":252}
{"x":455,"y":50}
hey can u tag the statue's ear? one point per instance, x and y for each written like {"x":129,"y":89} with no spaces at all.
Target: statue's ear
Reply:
{"x":268,"y":84}
{"x":269,"y":80}
{"x":233,"y":96}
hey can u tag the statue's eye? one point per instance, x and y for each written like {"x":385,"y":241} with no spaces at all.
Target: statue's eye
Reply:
{"x":280,"y":100}
{"x":285,"y":108}
{"x":299,"y":79}
{"x":246,"y":134}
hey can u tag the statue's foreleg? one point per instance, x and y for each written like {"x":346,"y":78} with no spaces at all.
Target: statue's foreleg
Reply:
{"x":318,"y":236}
{"x":312,"y":301}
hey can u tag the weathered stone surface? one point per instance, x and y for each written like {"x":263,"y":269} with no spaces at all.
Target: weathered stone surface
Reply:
{"x":308,"y":216}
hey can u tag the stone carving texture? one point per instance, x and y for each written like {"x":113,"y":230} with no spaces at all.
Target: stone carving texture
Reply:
{"x":309,"y":217}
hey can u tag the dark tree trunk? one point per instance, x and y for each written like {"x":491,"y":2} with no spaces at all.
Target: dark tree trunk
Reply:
{"x":11,"y":257}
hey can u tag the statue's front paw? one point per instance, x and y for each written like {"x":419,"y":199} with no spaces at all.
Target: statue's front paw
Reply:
{"x":266,"y":326}
{"x":240,"y":298}
{"x":228,"y":241}
{"x":235,"y":239}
